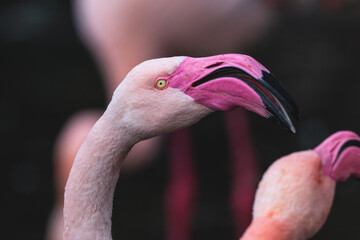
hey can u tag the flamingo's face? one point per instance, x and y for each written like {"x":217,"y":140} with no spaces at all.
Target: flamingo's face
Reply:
{"x":172,"y":93}
{"x":227,"y":81}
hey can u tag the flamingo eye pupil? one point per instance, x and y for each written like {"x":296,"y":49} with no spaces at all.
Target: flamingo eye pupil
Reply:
{"x":161,"y":83}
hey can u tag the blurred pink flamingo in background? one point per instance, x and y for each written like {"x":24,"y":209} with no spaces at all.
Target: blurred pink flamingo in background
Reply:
{"x":122,"y":34}
{"x":157,"y":97}
{"x":295,"y":194}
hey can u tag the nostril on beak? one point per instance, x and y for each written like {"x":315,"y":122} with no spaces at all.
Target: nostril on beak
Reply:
{"x":214,"y":65}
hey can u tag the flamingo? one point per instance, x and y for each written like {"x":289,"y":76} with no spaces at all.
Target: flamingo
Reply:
{"x":121,"y":34}
{"x":295,"y":194}
{"x":156,"y":97}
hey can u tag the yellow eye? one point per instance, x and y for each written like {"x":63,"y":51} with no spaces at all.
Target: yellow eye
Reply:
{"x":161,"y":83}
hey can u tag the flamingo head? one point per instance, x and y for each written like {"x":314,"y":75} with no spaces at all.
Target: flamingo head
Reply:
{"x":340,"y":155}
{"x":170,"y":93}
{"x":293,"y":199}
{"x":296,"y":193}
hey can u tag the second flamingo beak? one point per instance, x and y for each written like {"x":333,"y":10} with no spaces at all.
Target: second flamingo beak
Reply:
{"x":340,"y":155}
{"x":224,"y":82}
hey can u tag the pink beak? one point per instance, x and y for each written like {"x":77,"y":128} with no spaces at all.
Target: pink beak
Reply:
{"x":224,"y":82}
{"x":340,"y":155}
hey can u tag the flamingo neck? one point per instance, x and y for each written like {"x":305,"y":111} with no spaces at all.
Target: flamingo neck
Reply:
{"x":91,"y":184}
{"x":267,"y":228}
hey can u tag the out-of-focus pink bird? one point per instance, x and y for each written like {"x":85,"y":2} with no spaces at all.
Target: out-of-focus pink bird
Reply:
{"x":295,"y":194}
{"x":157,"y":97}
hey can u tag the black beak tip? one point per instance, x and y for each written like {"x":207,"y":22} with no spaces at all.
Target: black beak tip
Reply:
{"x":288,"y":105}
{"x":277,"y":87}
{"x":285,"y":126}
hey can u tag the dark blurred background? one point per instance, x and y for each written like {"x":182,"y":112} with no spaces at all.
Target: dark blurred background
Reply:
{"x":47,"y":75}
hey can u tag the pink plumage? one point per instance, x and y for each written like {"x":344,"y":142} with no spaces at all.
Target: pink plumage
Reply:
{"x":295,"y":194}
{"x":144,"y":106}
{"x":340,"y":155}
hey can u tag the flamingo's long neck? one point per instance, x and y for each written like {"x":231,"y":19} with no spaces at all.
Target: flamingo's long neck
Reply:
{"x":266,"y":228}
{"x":91,"y":184}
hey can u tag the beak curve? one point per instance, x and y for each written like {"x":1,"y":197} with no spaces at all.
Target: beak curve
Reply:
{"x":224,"y":82}
{"x":340,"y":155}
